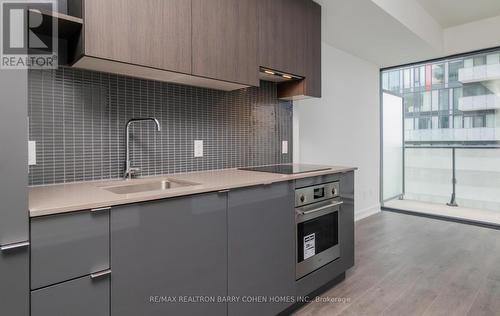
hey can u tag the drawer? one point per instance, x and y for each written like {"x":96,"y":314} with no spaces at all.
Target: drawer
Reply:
{"x":79,"y":297}
{"x":68,"y":246}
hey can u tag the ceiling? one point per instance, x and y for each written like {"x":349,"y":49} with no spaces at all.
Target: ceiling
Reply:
{"x":450,"y":13}
{"x":363,"y":29}
{"x":395,"y":32}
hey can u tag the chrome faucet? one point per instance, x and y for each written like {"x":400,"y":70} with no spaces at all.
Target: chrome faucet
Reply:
{"x":129,"y":171}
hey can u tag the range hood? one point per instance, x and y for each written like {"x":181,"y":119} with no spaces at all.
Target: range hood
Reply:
{"x":268,"y":74}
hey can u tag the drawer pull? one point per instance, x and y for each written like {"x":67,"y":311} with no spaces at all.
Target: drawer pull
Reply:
{"x":100,"y":274}
{"x":100,"y":209}
{"x":321,"y":208}
{"x":14,"y":246}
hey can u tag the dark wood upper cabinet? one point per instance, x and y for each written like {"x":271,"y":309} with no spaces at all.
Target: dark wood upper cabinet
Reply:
{"x":218,"y":44}
{"x":310,"y":86}
{"x":151,"y":33}
{"x":281,"y":35}
{"x":313,"y":50}
{"x":225,"y":40}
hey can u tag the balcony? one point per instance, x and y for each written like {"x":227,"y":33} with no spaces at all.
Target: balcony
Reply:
{"x":468,"y":178}
{"x":479,"y":73}
{"x":480,"y":134}
{"x":478,"y":103}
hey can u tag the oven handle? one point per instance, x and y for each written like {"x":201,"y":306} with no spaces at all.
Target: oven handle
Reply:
{"x":321,"y":208}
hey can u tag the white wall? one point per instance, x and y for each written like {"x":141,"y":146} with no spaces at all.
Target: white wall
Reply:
{"x":342,"y":127}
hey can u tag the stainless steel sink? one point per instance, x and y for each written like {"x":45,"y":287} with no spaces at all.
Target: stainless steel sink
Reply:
{"x":158,"y":185}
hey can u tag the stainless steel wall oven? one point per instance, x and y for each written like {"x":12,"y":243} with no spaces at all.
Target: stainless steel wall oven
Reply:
{"x":317,"y":226}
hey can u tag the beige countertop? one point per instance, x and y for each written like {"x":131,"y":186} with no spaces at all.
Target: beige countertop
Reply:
{"x":61,"y":198}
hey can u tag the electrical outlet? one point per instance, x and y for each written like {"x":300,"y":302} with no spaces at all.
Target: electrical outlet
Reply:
{"x":31,"y":153}
{"x":198,"y":148}
{"x":284,"y":147}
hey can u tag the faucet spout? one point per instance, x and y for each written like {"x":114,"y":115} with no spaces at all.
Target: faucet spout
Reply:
{"x":129,"y":171}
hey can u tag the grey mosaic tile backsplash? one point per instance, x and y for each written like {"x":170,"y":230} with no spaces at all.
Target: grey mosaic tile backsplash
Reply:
{"x":77,"y":119}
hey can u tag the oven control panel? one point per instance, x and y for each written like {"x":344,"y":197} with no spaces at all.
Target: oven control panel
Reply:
{"x":317,"y":193}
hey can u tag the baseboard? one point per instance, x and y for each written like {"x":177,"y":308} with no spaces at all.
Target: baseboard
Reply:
{"x":360,"y":214}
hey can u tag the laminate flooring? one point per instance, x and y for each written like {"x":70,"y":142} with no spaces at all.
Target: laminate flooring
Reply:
{"x":410,"y":265}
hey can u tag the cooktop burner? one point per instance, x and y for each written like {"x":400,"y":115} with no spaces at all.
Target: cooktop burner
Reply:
{"x":287,"y":168}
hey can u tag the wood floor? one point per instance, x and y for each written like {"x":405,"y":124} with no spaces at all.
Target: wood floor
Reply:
{"x":409,"y":265}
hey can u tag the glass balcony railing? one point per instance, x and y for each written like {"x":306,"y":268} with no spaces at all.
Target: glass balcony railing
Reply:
{"x":467,"y":176}
{"x":479,"y":73}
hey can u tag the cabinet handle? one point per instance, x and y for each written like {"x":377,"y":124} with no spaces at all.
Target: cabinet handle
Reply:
{"x":223,"y":191}
{"x":321,"y":208}
{"x":100,"y":274}
{"x":14,"y":246}
{"x":100,"y":209}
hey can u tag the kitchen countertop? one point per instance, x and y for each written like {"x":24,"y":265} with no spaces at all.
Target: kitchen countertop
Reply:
{"x":62,"y":198}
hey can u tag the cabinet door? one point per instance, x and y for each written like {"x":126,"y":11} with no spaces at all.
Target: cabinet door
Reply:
{"x":312,"y":53}
{"x":169,"y":249}
{"x":225,"y":34}
{"x":14,"y":282}
{"x":14,"y":156}
{"x":68,"y":246}
{"x":281,"y":35}
{"x":151,"y":33}
{"x":79,"y":297}
{"x":346,"y":221}
{"x":261,"y":252}
{"x":14,"y":223}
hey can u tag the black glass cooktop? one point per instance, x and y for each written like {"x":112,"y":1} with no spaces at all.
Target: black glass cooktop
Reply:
{"x":287,"y":168}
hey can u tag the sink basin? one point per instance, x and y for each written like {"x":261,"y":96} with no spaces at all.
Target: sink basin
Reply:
{"x":158,"y":185}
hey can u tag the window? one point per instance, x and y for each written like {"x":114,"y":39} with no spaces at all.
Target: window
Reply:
{"x":475,"y":89}
{"x":438,"y":74}
{"x":478,"y":121}
{"x":426,"y":101}
{"x":444,"y":98}
{"x":424,"y":123}
{"x":435,"y":122}
{"x":453,"y":68}
{"x":491,"y":121}
{"x":468,"y":63}
{"x":407,"y":78}
{"x":409,"y":124}
{"x":408,"y":102}
{"x":467,"y":121}
{"x":436,"y":133}
{"x":444,"y":122}
{"x":435,"y":100}
{"x":385,"y":81}
{"x":394,"y":80}
{"x":479,"y":60}
{"x":492,"y":59}
{"x":457,"y":94}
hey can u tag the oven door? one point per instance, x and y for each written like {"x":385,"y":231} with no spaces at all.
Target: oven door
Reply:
{"x":317,"y":236}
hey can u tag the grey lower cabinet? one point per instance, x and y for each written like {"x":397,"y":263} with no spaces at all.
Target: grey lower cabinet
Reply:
{"x":80,"y":297}
{"x":261,"y":249}
{"x":68,"y":246}
{"x":346,"y":221}
{"x":166,"y":250}
{"x":14,"y":281}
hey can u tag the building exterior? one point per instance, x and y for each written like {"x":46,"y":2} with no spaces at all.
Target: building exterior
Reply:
{"x":450,"y":101}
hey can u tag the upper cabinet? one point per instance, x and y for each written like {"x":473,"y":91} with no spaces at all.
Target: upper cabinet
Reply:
{"x":290,"y":42}
{"x":312,"y":54}
{"x":281,"y":35}
{"x":225,"y":40}
{"x":151,"y":33}
{"x":219,"y":44}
